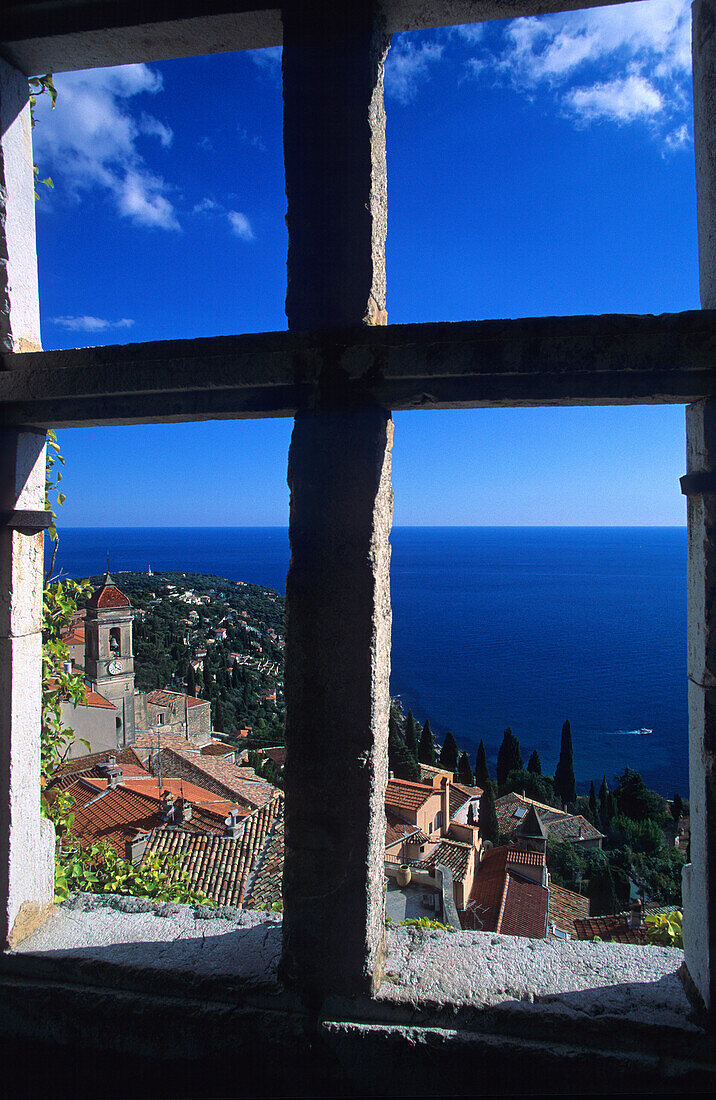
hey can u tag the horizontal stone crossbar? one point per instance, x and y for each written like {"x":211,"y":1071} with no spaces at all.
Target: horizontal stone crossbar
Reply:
{"x":611,"y":359}
{"x":21,"y":520}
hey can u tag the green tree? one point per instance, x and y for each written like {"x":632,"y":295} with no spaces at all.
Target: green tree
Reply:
{"x":482,"y":774}
{"x":426,"y":748}
{"x":487,"y":816}
{"x":677,"y":808}
{"x":449,"y":753}
{"x":400,"y":761}
{"x":564,"y":782}
{"x":470,"y":815}
{"x":634,"y":799}
{"x":509,"y":757}
{"x":593,"y":811}
{"x":208,"y":680}
{"x":218,"y":716}
{"x":539,"y":787}
{"x":602,"y":891}
{"x":464,"y":771}
{"x":534,"y":763}
{"x":411,"y":735}
{"x":603,"y":798}
{"x":190,"y":680}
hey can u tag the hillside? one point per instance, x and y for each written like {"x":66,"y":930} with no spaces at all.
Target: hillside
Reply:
{"x":219,"y":639}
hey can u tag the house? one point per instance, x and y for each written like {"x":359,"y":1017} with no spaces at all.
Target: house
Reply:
{"x":512,"y":808}
{"x":177,"y":713}
{"x":512,"y":893}
{"x":424,"y":830}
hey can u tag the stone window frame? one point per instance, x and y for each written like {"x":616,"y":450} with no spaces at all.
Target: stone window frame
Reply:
{"x":339,"y":372}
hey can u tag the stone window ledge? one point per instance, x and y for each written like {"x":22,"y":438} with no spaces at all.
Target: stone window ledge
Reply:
{"x":465,"y":979}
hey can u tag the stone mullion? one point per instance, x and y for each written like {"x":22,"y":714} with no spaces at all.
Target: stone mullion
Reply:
{"x":26,"y":840}
{"x":337,"y":589}
{"x":700,"y":875}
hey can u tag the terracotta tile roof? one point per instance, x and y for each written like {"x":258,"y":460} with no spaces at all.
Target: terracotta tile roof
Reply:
{"x":219,"y":866}
{"x":95,"y":771}
{"x":469,"y":792}
{"x":108,"y":595}
{"x":191,"y":701}
{"x":557,"y":823}
{"x":565,"y":907}
{"x":573,"y":828}
{"x":454,"y":855}
{"x":614,"y":929}
{"x":402,"y":794}
{"x":94,"y":699}
{"x":223,"y":776}
{"x":504,"y":901}
{"x":517,"y":857}
{"x":524,"y":908}
{"x":278,"y":755}
{"x":397,"y":830}
{"x":72,"y":768}
{"x":483,"y":908}
{"x":216,"y":748}
{"x":428,"y":773}
{"x":74,"y":637}
{"x":211,"y":805}
{"x":117,"y":814}
{"x":268,"y":882}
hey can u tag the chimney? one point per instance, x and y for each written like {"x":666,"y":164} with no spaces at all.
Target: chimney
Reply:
{"x":113,"y":773}
{"x":184,"y":809}
{"x":67,"y":666}
{"x":445,"y":805}
{"x":168,"y":807}
{"x":135,"y":848}
{"x":233,"y":824}
{"x":635,"y":916}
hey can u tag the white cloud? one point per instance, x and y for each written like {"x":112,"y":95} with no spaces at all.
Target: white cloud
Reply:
{"x":269,"y":60}
{"x":629,"y":62}
{"x":677,"y":138}
{"x":91,"y":324}
{"x":240,"y":225}
{"x":90,"y":141}
{"x":616,"y":100}
{"x":205,"y":206}
{"x":407,"y":64}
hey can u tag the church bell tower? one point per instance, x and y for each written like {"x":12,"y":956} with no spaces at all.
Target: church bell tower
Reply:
{"x":109,"y":660}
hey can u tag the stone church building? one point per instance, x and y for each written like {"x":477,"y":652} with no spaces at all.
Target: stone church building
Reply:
{"x":115,"y":710}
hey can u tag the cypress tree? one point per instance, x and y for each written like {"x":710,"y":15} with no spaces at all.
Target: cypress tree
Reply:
{"x":208,"y":683}
{"x":603,"y":792}
{"x":190,"y":680}
{"x":593,"y":802}
{"x":218,"y":717}
{"x":411,"y":735}
{"x":464,"y":771}
{"x":482,"y":775}
{"x":400,"y":762}
{"x":509,"y":757}
{"x":426,"y":748}
{"x":487,"y":816}
{"x":449,"y":753}
{"x":534,"y":763}
{"x":564,"y":782}
{"x":470,"y":815}
{"x":677,"y":807}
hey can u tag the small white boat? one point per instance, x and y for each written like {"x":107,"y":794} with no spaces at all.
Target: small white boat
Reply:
{"x":644,"y":732}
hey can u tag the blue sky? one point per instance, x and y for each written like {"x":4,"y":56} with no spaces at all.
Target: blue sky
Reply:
{"x":536,"y":166}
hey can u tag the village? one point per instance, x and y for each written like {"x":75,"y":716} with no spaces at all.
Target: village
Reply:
{"x":149,"y":774}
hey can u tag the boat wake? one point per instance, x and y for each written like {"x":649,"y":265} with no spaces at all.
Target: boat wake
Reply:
{"x":643,"y":732}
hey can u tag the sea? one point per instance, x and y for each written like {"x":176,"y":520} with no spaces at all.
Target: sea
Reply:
{"x":494,"y":627}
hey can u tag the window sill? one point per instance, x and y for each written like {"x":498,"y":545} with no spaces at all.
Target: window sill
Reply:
{"x":490,"y":991}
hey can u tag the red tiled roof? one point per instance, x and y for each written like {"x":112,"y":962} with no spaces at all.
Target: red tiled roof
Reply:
{"x":565,"y":907}
{"x":215,"y":748}
{"x":108,"y":596}
{"x":524,"y":908}
{"x":223,"y":776}
{"x":527,"y":859}
{"x":613,"y":929}
{"x":402,"y":794}
{"x":74,"y":637}
{"x":94,"y":699}
{"x":503,"y":901}
{"x":487,"y":889}
{"x":454,"y":854}
{"x":191,"y":701}
{"x":117,"y":814}
{"x":278,"y":755}
{"x":267,"y":885}
{"x":397,"y":830}
{"x":200,"y":798}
